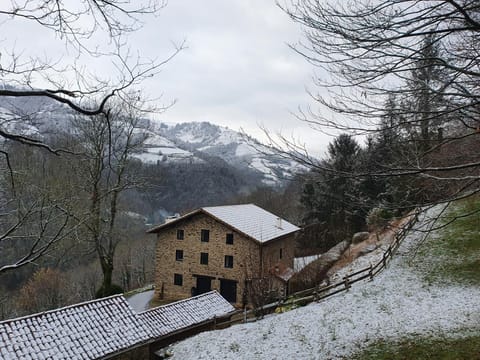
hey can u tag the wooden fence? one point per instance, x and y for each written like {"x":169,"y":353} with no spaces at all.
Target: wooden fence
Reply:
{"x":319,"y":292}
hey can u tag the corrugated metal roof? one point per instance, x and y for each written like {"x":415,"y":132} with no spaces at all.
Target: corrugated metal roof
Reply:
{"x":84,"y":331}
{"x":253,"y":221}
{"x":182,"y":314}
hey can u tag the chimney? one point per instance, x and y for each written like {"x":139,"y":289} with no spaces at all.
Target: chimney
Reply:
{"x":279,"y":223}
{"x":171,"y":218}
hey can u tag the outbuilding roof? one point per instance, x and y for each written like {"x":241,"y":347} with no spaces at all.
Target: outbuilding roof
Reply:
{"x":103,"y":327}
{"x":185,"y":313}
{"x":248,"y":219}
{"x":88,"y":330}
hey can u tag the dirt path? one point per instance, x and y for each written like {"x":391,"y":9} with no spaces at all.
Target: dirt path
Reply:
{"x":375,"y":240}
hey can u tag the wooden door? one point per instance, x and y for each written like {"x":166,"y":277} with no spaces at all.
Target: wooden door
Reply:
{"x":228,"y":289}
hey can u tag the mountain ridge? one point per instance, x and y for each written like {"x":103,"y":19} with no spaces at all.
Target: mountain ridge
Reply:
{"x":187,"y":142}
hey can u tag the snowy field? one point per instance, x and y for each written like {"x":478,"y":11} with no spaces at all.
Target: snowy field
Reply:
{"x":396,"y":304}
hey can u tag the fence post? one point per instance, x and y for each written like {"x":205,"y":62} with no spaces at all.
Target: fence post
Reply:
{"x":370,"y":272}
{"x":347,"y":284}
{"x":245,"y":314}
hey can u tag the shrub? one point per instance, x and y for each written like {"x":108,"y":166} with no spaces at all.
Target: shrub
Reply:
{"x":44,"y":291}
{"x":378,"y":218}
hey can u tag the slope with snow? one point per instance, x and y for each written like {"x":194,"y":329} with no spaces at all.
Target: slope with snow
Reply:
{"x":233,"y":147}
{"x":192,"y":142}
{"x":396,"y":304}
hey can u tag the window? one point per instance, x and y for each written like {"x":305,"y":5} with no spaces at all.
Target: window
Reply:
{"x":204,"y":258}
{"x":281,"y":254}
{"x":205,"y":235}
{"x":180,"y":234}
{"x":228,"y":261}
{"x":178,"y":279}
{"x":229,"y":239}
{"x":179,"y":255}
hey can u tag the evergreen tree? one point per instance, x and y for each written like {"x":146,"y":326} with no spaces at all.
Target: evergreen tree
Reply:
{"x":331,"y":198}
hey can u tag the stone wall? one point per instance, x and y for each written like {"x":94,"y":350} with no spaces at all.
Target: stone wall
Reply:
{"x":245,"y":252}
{"x":271,"y":253}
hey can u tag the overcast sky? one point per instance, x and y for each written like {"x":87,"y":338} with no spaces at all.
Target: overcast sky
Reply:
{"x":237,"y":70}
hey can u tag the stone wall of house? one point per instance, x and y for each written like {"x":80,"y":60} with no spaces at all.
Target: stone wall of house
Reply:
{"x":278,"y":251}
{"x":245,"y":252}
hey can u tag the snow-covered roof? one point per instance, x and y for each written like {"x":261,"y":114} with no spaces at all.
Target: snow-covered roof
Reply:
{"x":102,"y":327}
{"x":248,"y":219}
{"x":182,"y":314}
{"x":83,"y":331}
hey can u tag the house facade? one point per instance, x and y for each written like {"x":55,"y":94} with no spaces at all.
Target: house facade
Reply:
{"x":222,"y":248}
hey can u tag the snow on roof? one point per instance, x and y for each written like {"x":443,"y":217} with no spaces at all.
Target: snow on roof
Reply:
{"x":253,"y":221}
{"x":300,"y":262}
{"x":248,"y":219}
{"x":102,"y":327}
{"x":82,"y":331}
{"x":286,"y":274}
{"x":182,"y":314}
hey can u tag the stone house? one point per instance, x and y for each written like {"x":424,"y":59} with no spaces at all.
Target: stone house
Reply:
{"x":226,"y":248}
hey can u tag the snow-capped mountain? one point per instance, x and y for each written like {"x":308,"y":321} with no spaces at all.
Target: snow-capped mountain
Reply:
{"x":187,"y":143}
{"x":191,"y":140}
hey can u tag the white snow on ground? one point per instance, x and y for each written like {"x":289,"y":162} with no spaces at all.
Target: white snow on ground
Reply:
{"x":158,"y":140}
{"x":245,"y":149}
{"x":396,"y":304}
{"x":168,"y":151}
{"x":139,"y":302}
{"x":166,"y":154}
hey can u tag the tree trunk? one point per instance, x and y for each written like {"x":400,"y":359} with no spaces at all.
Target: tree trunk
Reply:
{"x":107,"y":270}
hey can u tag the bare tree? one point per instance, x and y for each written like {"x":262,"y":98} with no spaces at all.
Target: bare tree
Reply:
{"x":108,"y":143}
{"x":88,"y":32}
{"x":34,"y":215}
{"x":422,"y":54}
{"x":90,"y":29}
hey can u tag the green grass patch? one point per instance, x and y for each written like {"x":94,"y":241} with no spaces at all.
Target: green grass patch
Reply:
{"x":454,"y":253}
{"x":467,"y":348}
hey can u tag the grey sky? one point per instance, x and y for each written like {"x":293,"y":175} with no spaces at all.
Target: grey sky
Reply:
{"x":237,"y":70}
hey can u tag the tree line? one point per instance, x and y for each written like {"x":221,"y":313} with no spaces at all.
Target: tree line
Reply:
{"x":402,"y":81}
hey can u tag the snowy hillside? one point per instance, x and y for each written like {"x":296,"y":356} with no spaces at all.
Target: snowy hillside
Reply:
{"x":159,"y":149}
{"x":35,"y":117}
{"x":398,"y":303}
{"x":12,"y":123}
{"x":231,"y":146}
{"x":186,"y":143}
